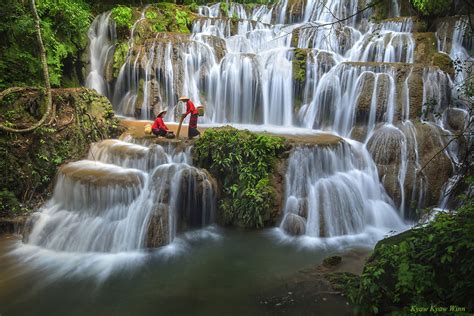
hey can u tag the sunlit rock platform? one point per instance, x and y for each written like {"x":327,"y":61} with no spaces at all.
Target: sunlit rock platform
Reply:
{"x":298,"y":136}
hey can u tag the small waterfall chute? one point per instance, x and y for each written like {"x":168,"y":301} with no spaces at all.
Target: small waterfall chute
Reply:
{"x":129,"y":198}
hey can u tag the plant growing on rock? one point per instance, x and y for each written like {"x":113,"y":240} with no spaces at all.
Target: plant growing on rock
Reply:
{"x":182,"y":20}
{"x":429,"y":265}
{"x":242,"y":161}
{"x":123,"y":16}
{"x":431,"y":7}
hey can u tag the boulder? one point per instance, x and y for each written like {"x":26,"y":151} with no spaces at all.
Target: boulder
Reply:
{"x":443,"y":62}
{"x":424,"y":149}
{"x":294,"y":224}
{"x":197,"y":201}
{"x":158,"y":227}
{"x":456,"y":119}
{"x":332,"y":261}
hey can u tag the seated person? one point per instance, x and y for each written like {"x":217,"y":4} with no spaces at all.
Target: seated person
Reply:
{"x":159,"y":127}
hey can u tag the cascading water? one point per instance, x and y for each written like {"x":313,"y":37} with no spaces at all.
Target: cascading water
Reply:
{"x":101,"y":41}
{"x":296,"y":65}
{"x":334,"y":192}
{"x":125,"y":197}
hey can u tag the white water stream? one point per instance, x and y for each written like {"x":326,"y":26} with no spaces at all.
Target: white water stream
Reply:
{"x":271,"y":69}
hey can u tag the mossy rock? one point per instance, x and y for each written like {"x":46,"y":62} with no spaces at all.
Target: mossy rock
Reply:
{"x":120,"y":55}
{"x":300,"y":56}
{"x":332,"y":261}
{"x":425,"y":47}
{"x":443,"y":62}
{"x":344,"y":282}
{"x":32,"y":159}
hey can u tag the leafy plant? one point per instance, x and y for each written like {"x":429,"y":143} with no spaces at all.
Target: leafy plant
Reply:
{"x":182,"y":20}
{"x":64,"y":25}
{"x":431,"y":7}
{"x":8,"y":203}
{"x":242,"y":161}
{"x":429,"y":265}
{"x":157,"y":23}
{"x":123,"y":16}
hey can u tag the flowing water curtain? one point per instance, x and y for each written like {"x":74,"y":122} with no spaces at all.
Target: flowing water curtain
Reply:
{"x":342,"y":92}
{"x":106,"y":205}
{"x":340,"y":194}
{"x":102,"y":38}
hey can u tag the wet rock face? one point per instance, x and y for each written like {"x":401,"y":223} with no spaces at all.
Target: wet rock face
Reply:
{"x":158,"y":227}
{"x":184,"y":198}
{"x":294,"y":224}
{"x":196,"y":202}
{"x":456,"y":119}
{"x":400,"y":153}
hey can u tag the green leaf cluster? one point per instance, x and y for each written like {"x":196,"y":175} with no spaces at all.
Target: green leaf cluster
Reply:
{"x":431,"y":7}
{"x":429,"y":265}
{"x":9,"y":204}
{"x":64,"y":25}
{"x":123,"y":16}
{"x":242,"y":161}
{"x":28,"y":162}
{"x":182,"y":21}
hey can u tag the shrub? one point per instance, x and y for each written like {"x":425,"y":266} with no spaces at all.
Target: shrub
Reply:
{"x":242,"y":161}
{"x":182,"y":21}
{"x":123,"y":16}
{"x":430,"y":265}
{"x":9,"y":204}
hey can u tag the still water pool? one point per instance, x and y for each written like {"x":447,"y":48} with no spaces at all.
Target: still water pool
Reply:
{"x":213,"y":271}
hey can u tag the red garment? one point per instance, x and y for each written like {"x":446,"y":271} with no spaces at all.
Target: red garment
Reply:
{"x":193,"y":121}
{"x":159,"y":124}
{"x":190,"y":108}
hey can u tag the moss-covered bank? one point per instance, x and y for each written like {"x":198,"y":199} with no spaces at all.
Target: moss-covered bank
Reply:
{"x":245,"y":164}
{"x":29,"y":162}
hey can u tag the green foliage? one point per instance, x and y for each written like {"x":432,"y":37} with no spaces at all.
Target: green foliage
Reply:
{"x":224,"y":8}
{"x":120,"y":54}
{"x":242,"y":161}
{"x":9,"y":204}
{"x":182,"y":20}
{"x":430,"y":265}
{"x":155,"y":21}
{"x":299,"y":65}
{"x":64,"y":25}
{"x":123,"y":16}
{"x":431,"y":7}
{"x":28,"y":162}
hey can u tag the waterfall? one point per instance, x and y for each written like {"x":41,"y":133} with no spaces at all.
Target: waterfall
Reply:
{"x":125,"y":197}
{"x":454,"y":40}
{"x":335,"y":191}
{"x":294,"y":65}
{"x":101,"y":48}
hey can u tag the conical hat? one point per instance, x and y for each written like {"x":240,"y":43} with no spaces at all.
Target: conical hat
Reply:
{"x":161,"y":111}
{"x":183,"y":98}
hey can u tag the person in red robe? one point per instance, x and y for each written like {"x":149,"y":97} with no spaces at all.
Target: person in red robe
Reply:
{"x":191,"y":109}
{"x":159,"y":127}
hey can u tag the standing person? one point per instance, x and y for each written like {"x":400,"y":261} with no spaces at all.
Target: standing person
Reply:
{"x":159,"y":127}
{"x":191,"y":109}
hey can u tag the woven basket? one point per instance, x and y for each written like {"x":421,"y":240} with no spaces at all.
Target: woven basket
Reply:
{"x":148,"y":129}
{"x":200,"y":110}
